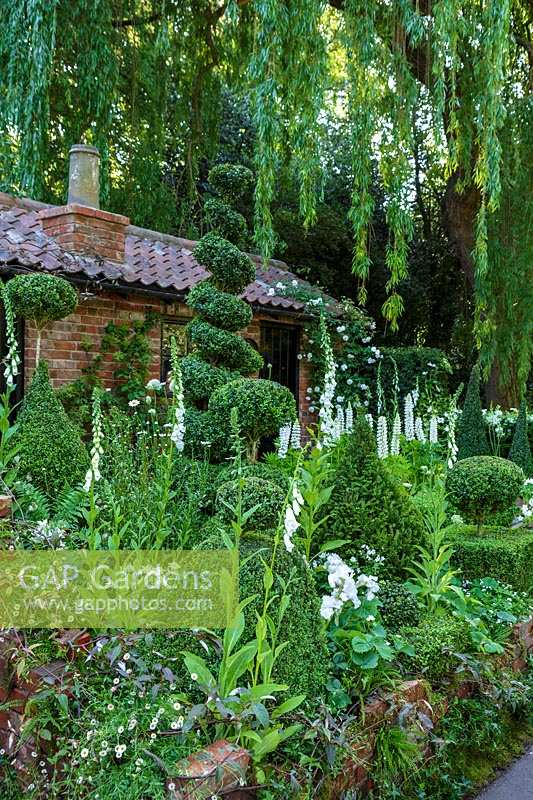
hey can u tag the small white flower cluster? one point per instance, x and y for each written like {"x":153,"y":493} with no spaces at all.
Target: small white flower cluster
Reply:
{"x":409,"y":418}
{"x":451,"y":421}
{"x":345,"y":586}
{"x":372,"y":555}
{"x":93,"y":473}
{"x":12,"y":359}
{"x":292,"y":512}
{"x":395,"y":436}
{"x":178,"y":429}
{"x":45,"y":531}
{"x":433,"y":430}
{"x":382,"y":437}
{"x":376,"y":355}
{"x":419,"y":430}
{"x":154,"y":385}
{"x":290,"y":435}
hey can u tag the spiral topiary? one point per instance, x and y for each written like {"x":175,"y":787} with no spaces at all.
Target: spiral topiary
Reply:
{"x":221,"y":356}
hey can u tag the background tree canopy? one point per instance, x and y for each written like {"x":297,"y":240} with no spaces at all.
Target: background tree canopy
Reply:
{"x":395,"y":132}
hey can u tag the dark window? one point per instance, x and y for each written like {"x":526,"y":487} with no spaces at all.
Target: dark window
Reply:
{"x":170,"y":328}
{"x":279,"y":348}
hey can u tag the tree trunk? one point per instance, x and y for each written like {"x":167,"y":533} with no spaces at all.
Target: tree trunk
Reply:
{"x":459,"y":218}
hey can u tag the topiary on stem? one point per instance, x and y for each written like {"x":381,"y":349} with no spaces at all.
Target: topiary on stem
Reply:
{"x":520,"y":452}
{"x":471,"y":435}
{"x":483,"y":485}
{"x":51,"y":452}
{"x":41,"y":299}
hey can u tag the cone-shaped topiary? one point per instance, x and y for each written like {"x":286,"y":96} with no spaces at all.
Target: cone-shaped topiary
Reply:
{"x":471,"y":434}
{"x":520,"y":451}
{"x":368,"y":507}
{"x":51,"y":453}
{"x":221,"y":356}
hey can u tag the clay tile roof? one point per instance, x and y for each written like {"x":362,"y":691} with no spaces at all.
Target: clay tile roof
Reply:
{"x":152,"y":260}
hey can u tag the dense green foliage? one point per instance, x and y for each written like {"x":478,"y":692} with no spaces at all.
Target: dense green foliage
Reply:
{"x":471,"y":435}
{"x":482,"y":485}
{"x":51,"y":451}
{"x":216,"y":307}
{"x":263,"y":497}
{"x":263,"y":406}
{"x":520,"y":451}
{"x":499,"y":552}
{"x":398,"y":607}
{"x":231,"y":269}
{"x":436,"y":641}
{"x":368,"y":507}
{"x":201,"y":379}
{"x":42,"y":298}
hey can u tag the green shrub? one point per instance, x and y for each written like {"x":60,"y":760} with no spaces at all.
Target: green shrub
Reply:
{"x":259,"y":469}
{"x":435,"y":641}
{"x":219,"y":308}
{"x":231,"y":269}
{"x":471,"y":433}
{"x":203,"y":438}
{"x":398,"y":606}
{"x":231,"y":181}
{"x":498,"y":553}
{"x":265,"y":496}
{"x":225,"y":221}
{"x":368,"y":507}
{"x":304,"y":663}
{"x":51,"y":451}
{"x":262,"y":407}
{"x":201,"y":379}
{"x":520,"y":452}
{"x":218,"y":345}
{"x":483,"y":485}
{"x":42,"y":298}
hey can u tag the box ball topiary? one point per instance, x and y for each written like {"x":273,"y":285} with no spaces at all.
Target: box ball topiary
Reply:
{"x":367,"y":506}
{"x":436,"y":641}
{"x":225,"y":221}
{"x":51,"y":452}
{"x":218,"y":345}
{"x":483,"y":485}
{"x":263,"y":496}
{"x":263,"y":406}
{"x":398,"y":606}
{"x":231,"y":181}
{"x":231,"y":269}
{"x":219,"y":308}
{"x":42,"y":298}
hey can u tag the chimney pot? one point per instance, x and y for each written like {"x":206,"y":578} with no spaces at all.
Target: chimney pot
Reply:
{"x":84,"y":176}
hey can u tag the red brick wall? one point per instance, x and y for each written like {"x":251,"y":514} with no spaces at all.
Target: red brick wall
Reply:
{"x":62,"y":342}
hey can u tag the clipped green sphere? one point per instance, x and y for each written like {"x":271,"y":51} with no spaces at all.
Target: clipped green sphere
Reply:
{"x":482,"y":485}
{"x":42,"y":298}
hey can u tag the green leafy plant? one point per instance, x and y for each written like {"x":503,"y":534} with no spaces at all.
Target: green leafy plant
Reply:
{"x":368,"y":507}
{"x":483,"y":485}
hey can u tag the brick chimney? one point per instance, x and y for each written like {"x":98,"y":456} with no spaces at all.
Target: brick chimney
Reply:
{"x":81,"y":226}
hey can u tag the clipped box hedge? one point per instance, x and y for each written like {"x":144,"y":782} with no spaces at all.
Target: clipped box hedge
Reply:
{"x":500,"y":553}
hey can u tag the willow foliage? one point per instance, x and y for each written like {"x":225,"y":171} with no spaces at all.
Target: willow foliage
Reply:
{"x":142,"y":79}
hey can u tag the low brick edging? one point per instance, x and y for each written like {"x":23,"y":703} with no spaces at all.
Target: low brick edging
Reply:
{"x":354,"y":774}
{"x":222,"y":766}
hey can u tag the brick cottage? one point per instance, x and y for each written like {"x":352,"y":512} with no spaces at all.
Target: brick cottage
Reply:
{"x":122,"y":272}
